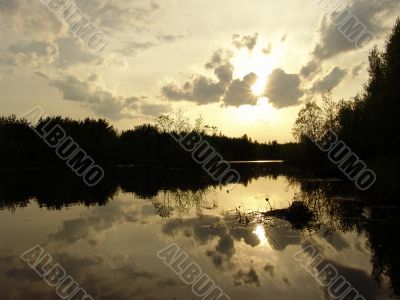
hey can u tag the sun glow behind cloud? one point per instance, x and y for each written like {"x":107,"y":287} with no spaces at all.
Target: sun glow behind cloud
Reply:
{"x":256,"y":62}
{"x":262,"y":112}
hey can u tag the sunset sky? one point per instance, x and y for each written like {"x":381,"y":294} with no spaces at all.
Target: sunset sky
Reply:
{"x":246,"y":66}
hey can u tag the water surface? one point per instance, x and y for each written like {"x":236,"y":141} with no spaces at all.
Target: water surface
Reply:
{"x":107,"y":238}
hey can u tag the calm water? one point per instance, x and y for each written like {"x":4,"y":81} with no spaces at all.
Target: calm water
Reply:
{"x":107,"y":238}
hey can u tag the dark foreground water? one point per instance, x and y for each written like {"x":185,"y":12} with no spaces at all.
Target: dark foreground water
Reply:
{"x":107,"y":238}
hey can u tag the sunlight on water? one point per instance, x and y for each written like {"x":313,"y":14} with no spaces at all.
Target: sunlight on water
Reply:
{"x":112,"y":247}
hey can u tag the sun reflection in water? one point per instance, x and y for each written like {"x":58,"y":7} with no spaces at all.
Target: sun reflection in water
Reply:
{"x":260,"y":232}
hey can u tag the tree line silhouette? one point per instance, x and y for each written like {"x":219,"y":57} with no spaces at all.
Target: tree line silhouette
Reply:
{"x":148,"y":144}
{"x":368,"y":123}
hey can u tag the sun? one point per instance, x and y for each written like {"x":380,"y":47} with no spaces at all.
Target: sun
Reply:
{"x":258,"y":63}
{"x":263,"y":111}
{"x":259,"y":87}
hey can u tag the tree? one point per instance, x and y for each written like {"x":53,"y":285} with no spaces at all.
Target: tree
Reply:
{"x":309,"y":123}
{"x":330,"y":111}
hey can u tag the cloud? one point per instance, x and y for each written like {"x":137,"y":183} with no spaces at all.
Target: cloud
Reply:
{"x":359,"y":279}
{"x":218,"y":58}
{"x":357,"y":69}
{"x":269,"y":268}
{"x":100,"y":219}
{"x":250,"y":277}
{"x":132,"y":48}
{"x":240,"y":93}
{"x":91,"y":94}
{"x":170,"y":38}
{"x":150,"y":109}
{"x":8,"y":6}
{"x":310,"y":69}
{"x":33,"y":20}
{"x":206,"y":90}
{"x":370,"y":13}
{"x":40,"y":48}
{"x":330,"y":81}
{"x":283,"y":89}
{"x":202,"y":89}
{"x":28,"y":18}
{"x":123,"y":15}
{"x":248,"y":41}
{"x":71,"y":52}
{"x":200,"y":231}
{"x":33,"y":53}
{"x":63,"y":52}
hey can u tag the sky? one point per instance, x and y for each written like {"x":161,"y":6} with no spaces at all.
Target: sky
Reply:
{"x":244,"y":66}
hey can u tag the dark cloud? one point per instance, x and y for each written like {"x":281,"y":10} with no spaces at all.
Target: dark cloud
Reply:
{"x":102,"y":276}
{"x":218,"y":58}
{"x":330,"y":81}
{"x":91,"y":94}
{"x":243,"y":277}
{"x":202,"y":89}
{"x":359,"y":279}
{"x":240,"y":93}
{"x":269,"y":268}
{"x":247,"y":41}
{"x":310,"y":69}
{"x":8,"y":6}
{"x":369,"y":12}
{"x":62,"y":52}
{"x":283,"y":90}
{"x":197,"y":228}
{"x":99,"y":220}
